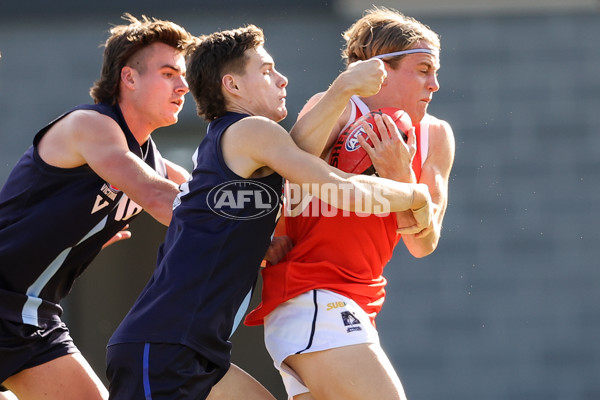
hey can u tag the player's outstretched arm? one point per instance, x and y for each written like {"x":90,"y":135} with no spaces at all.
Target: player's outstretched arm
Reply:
{"x":86,"y":137}
{"x":321,"y":113}
{"x":255,"y":143}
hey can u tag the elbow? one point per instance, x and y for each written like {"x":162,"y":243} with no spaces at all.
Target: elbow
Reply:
{"x":422,"y":252}
{"x":422,"y":247}
{"x":159,"y":210}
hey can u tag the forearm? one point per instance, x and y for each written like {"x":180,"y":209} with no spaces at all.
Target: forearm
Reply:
{"x":371,"y":195}
{"x":391,"y":196}
{"x":159,"y":201}
{"x":423,"y":244}
{"x":313,"y":128}
{"x":362,"y":78}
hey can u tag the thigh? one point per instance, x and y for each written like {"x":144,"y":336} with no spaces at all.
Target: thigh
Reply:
{"x":36,"y":361}
{"x":315,"y":321}
{"x":25,"y":346}
{"x":64,"y":378}
{"x":237,"y":384}
{"x":159,"y":371}
{"x":360,"y":371}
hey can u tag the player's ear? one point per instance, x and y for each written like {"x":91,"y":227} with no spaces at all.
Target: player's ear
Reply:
{"x":127,"y":76}
{"x":229,"y":83}
{"x":388,"y":69}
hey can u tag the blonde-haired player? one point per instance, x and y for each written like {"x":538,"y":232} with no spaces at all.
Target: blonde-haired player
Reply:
{"x":319,"y":303}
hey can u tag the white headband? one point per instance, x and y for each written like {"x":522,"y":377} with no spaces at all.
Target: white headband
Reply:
{"x":409,"y":51}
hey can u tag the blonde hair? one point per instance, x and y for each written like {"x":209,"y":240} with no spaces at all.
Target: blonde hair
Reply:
{"x":383,"y":30}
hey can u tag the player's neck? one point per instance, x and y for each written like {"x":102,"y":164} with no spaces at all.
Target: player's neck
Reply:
{"x":373,"y":103}
{"x":137,"y":123}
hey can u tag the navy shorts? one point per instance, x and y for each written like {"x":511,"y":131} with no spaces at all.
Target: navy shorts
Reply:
{"x":25,"y":346}
{"x":156,"y":371}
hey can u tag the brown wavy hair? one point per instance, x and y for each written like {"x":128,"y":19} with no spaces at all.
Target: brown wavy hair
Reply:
{"x":125,"y":42}
{"x":213,"y":57}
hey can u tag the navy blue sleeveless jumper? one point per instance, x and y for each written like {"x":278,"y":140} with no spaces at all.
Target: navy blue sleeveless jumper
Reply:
{"x":221,"y":228}
{"x":53,"y":223}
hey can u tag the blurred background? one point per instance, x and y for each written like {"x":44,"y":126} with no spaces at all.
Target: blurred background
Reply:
{"x":508,"y":307}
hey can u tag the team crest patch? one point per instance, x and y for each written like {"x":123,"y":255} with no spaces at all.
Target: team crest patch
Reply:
{"x":350,"y":321}
{"x":352,"y":140}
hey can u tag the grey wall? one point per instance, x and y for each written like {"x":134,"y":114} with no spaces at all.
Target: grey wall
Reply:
{"x":507,"y":307}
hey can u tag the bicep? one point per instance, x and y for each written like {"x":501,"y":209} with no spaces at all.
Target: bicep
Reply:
{"x":303,"y":135}
{"x":276,"y":150}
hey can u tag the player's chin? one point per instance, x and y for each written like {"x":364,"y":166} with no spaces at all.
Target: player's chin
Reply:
{"x":281,"y":114}
{"x":171,"y":119}
{"x":421,"y":110}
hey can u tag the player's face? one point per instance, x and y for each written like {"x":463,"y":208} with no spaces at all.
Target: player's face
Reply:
{"x":160,"y":85}
{"x":262,"y":87}
{"x":411,"y":85}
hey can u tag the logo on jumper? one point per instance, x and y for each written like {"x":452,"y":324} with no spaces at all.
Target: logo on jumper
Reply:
{"x":352,"y":140}
{"x":243,"y":200}
{"x":126,"y":208}
{"x":350,"y":321}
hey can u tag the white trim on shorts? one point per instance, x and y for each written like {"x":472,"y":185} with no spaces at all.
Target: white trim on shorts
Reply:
{"x":314,"y":321}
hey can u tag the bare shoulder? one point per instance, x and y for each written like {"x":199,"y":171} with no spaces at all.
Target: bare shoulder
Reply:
{"x":441,"y":145}
{"x":440,"y":132}
{"x":89,"y":121}
{"x":254,"y":128}
{"x":248,"y":144}
{"x":85,"y":125}
{"x":73,"y":139}
{"x":438,"y":125}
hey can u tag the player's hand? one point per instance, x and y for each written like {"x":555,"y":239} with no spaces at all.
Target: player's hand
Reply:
{"x":279,"y":247}
{"x":422,"y":211}
{"x":365,"y":78}
{"x":390,"y":155}
{"x":121,"y":235}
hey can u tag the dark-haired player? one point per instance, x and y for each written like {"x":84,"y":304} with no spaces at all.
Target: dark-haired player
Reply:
{"x":174,"y":342}
{"x":319,"y":303}
{"x":87,"y":174}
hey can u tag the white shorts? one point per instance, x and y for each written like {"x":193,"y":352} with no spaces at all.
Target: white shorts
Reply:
{"x":314,"y":321}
